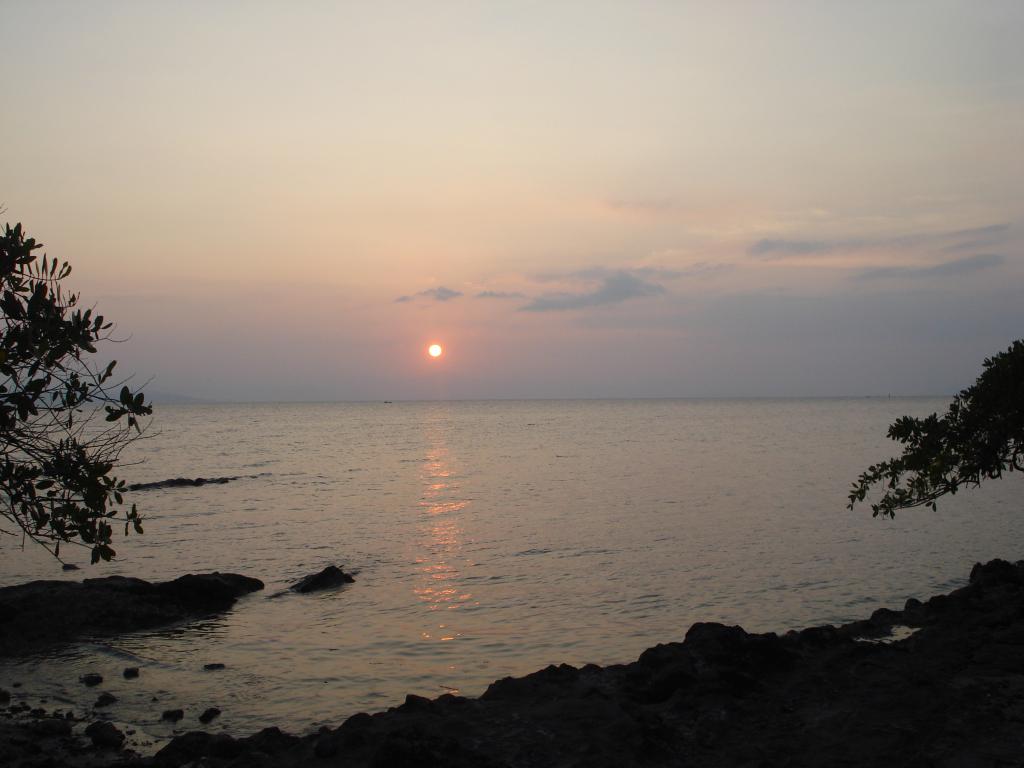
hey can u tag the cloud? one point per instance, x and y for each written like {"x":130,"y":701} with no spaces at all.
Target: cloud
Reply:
{"x":955,"y":268}
{"x":956,"y":240}
{"x":437,"y":294}
{"x":500,"y":295}
{"x":440,"y":293}
{"x":779,"y":249}
{"x":613,"y":287}
{"x":977,"y":238}
{"x":601,"y":273}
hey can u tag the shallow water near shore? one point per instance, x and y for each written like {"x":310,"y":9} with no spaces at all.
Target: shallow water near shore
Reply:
{"x":494,"y":538}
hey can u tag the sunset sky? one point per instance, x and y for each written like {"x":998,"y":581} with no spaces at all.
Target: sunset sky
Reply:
{"x":293,"y":200}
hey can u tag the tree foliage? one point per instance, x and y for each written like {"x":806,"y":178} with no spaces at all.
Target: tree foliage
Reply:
{"x":64,"y":421}
{"x":980,"y":437}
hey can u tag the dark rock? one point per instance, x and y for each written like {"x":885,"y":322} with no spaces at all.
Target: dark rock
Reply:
{"x":91,"y":679}
{"x":44,"y":613}
{"x":819,"y":636}
{"x":181,"y":482}
{"x":52,"y":726}
{"x":130,"y":673}
{"x":713,"y":639}
{"x":5,"y":696}
{"x":187,"y":748}
{"x":550,"y":681}
{"x":415,"y":703}
{"x":174,"y":715}
{"x":357,"y":721}
{"x":213,"y":667}
{"x":104,"y":735}
{"x":193,"y":746}
{"x":270,"y":741}
{"x":105,"y":700}
{"x":224,"y":746}
{"x":209,"y":715}
{"x":210,"y":591}
{"x":325,"y":746}
{"x":331,"y":576}
{"x":996,"y":572}
{"x":69,"y":567}
{"x":667,"y":680}
{"x":884,"y":617}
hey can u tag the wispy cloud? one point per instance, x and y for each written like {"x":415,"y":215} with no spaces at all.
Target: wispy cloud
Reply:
{"x":782,"y":248}
{"x":954,"y":268}
{"x":977,"y":238}
{"x":500,"y":295}
{"x":441,"y":293}
{"x":957,"y":240}
{"x":601,"y":273}
{"x":613,"y":287}
{"x":437,"y":294}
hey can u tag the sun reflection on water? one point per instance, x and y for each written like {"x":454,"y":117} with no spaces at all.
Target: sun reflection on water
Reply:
{"x":442,"y":534}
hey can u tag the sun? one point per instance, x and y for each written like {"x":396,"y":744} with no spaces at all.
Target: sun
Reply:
{"x":435,"y":350}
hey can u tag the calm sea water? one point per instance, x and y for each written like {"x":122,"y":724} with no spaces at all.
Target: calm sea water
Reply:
{"x":493,"y":538}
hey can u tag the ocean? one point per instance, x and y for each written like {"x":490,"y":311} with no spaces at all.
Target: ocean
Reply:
{"x":494,"y":538}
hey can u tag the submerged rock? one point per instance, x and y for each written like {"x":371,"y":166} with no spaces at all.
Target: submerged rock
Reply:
{"x":130,"y":673}
{"x":174,"y":715}
{"x":105,"y":699}
{"x":331,"y":576}
{"x":209,"y":715}
{"x":90,"y":679}
{"x":188,"y":482}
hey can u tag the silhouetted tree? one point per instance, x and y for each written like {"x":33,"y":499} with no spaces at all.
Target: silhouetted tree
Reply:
{"x":63,"y":422}
{"x":980,"y":437}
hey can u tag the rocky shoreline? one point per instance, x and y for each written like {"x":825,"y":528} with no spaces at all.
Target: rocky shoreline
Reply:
{"x":47,"y":613}
{"x":950,"y":692}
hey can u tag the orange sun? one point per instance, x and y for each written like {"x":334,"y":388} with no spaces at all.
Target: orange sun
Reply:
{"x":435,"y":350}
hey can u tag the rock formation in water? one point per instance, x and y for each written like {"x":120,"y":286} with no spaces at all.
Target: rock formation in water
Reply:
{"x":43,"y":613}
{"x":187,"y":482}
{"x":331,"y":576}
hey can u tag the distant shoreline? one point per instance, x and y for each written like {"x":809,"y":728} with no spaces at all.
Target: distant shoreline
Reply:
{"x":399,"y":401}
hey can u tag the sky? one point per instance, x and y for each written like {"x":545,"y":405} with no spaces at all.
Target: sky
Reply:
{"x":291,"y":201}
